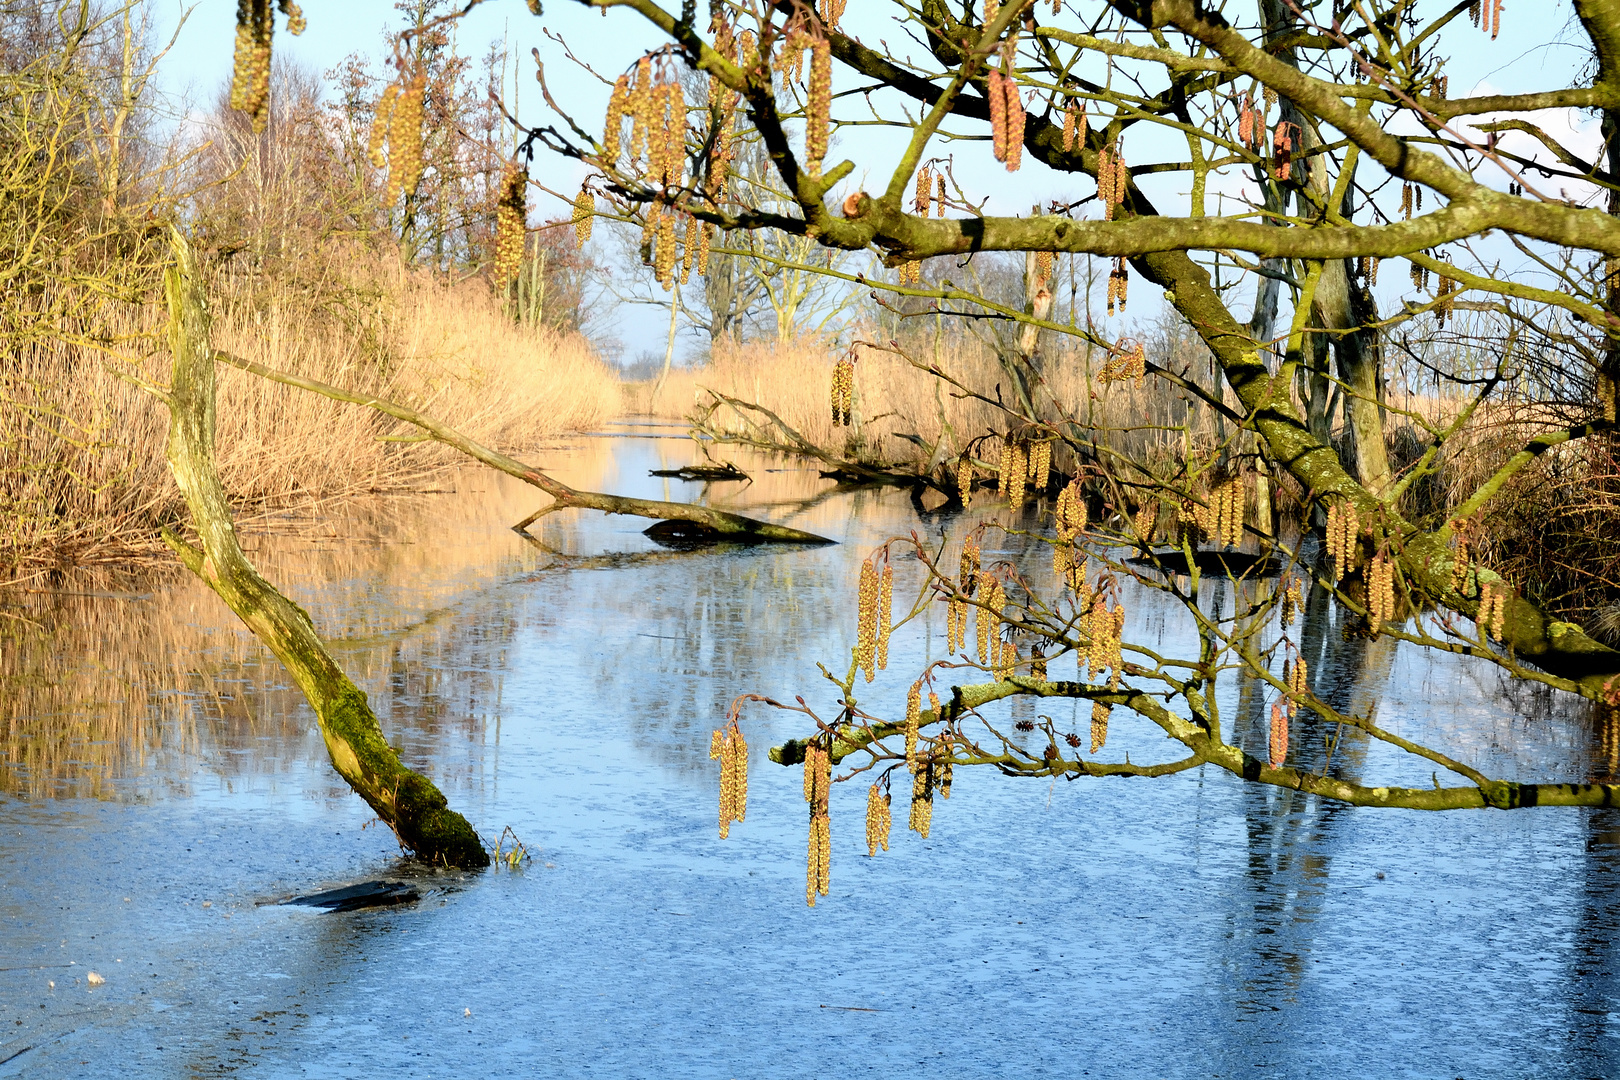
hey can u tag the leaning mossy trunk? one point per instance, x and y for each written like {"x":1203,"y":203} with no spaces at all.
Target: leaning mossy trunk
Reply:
{"x":408,"y":802}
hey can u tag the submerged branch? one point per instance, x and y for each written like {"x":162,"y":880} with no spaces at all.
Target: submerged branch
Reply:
{"x":725,"y":525}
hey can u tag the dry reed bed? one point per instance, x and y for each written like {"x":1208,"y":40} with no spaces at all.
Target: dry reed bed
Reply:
{"x":894,"y":397}
{"x":82,"y":470}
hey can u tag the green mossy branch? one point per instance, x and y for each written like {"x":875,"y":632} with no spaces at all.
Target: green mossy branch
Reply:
{"x":408,"y":802}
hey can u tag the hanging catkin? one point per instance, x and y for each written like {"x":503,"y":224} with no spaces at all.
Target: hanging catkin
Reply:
{"x":1099,"y":726}
{"x":885,"y":615}
{"x":818,"y":105}
{"x":613,"y":125}
{"x":728,"y":745}
{"x":867,"y":623}
{"x":878,"y":820}
{"x":584,"y":216}
{"x":511,"y":216}
{"x":379,"y":125}
{"x":250,"y":74}
{"x":1279,"y":735}
{"x":405,"y":141}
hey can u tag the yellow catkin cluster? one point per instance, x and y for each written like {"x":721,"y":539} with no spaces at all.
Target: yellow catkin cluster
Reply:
{"x":939,"y":196}
{"x":1491,"y":10}
{"x":405,"y":140}
{"x":1292,"y":602}
{"x":817,"y":787}
{"x":1040,"y":466}
{"x":1411,"y":200}
{"x":993,"y":597}
{"x":640,"y":107}
{"x":250,"y":75}
{"x":843,"y":391}
{"x":885,"y":616}
{"x":878,"y":820}
{"x":379,"y":125}
{"x":1459,"y":561}
{"x":1420,"y":276}
{"x":1250,"y":122}
{"x":790,"y":61}
{"x":1102,"y":628}
{"x":296,"y":23}
{"x":1231,"y":501}
{"x":1343,"y":529}
{"x":511,"y":223}
{"x":584,"y":216}
{"x":1445,"y":297}
{"x":867,"y":627}
{"x":1279,"y":735}
{"x":913,"y":722}
{"x":1009,"y":660}
{"x":831,"y":12}
{"x":1113,"y":178}
{"x":689,"y":246}
{"x":1119,"y":284}
{"x":1282,"y":150}
{"x":664,"y":260}
{"x":818,"y":105}
{"x":1147,"y":520}
{"x":1037,"y":663}
{"x":955,"y":625}
{"x":983,"y":626}
{"x":1127,"y":359}
{"x":996,"y":97}
{"x":1043,"y":268}
{"x":728,"y":745}
{"x":964,"y":481}
{"x":922,"y":800}
{"x":1014,"y":471}
{"x":705,"y":237}
{"x":1493,"y":597}
{"x":1070,"y":510}
{"x":1442,"y":86}
{"x":1295,"y":676}
{"x":613,"y":125}
{"x":1015,"y":121}
{"x":1099,"y":726}
{"x":968,"y":567}
{"x":923,"y":200}
{"x":1074,"y":126}
{"x":1380,"y":591}
{"x":1369,"y":269}
{"x":1269,"y":96}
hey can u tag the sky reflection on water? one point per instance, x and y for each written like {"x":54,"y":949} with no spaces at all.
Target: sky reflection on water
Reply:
{"x":1187,"y":926}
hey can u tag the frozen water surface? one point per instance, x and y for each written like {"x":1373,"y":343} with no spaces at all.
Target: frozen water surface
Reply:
{"x":161,"y":783}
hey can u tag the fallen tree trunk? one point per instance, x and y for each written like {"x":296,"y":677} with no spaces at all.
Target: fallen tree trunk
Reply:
{"x":406,"y":801}
{"x":724,"y":525}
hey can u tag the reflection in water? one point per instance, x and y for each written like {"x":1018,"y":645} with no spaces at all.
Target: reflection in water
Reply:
{"x":567,"y":687}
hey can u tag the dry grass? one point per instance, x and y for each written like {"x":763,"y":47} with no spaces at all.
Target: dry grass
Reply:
{"x":82,"y":471}
{"x":896,"y":397}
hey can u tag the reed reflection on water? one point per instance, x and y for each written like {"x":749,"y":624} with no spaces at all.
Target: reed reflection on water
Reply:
{"x":1190,"y":925}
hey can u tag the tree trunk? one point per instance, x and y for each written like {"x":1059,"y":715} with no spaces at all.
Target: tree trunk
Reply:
{"x":406,"y":801}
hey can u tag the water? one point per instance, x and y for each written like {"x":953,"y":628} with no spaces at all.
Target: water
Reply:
{"x":162,"y":782}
